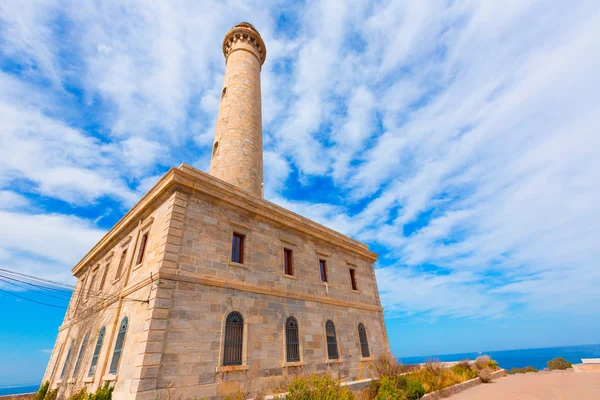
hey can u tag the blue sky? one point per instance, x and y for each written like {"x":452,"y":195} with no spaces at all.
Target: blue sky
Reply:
{"x":459,"y":139}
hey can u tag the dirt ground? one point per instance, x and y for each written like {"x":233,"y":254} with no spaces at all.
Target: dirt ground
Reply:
{"x":556,"y":385}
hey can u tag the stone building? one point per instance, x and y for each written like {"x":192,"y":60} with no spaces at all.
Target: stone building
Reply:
{"x":204,"y":288}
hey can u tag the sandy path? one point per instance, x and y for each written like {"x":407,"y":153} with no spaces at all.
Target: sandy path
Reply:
{"x":558,"y":385}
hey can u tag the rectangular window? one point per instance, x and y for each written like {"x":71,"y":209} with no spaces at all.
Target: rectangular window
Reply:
{"x":237,"y":248}
{"x":142,"y":250}
{"x":104,"y":275}
{"x":121,"y":264}
{"x":288,"y":267}
{"x":91,"y":287}
{"x":353,"y":278}
{"x":323,"y":269}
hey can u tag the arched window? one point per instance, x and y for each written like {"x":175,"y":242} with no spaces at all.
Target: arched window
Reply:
{"x":97,"y":349}
{"x":64,"y":370}
{"x":234,"y":339}
{"x":114,"y":365}
{"x":364,"y":343}
{"x":81,"y":351}
{"x":292,"y":342}
{"x":224,"y":92}
{"x":332,"y":348}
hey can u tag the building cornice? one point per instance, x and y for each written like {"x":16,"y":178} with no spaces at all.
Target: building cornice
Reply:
{"x":193,"y":179}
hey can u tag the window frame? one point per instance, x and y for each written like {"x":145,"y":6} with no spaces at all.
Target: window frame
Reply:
{"x":142,"y":247}
{"x":121,"y":264}
{"x":353,"y":281}
{"x":82,"y":348}
{"x":323,"y":271}
{"x":90,"y":285}
{"x":330,"y":327}
{"x":288,"y":261}
{"x":123,"y":327}
{"x":96,"y":354}
{"x":67,"y":360}
{"x":364,"y":344}
{"x":289,"y":341}
{"x":234,"y":342}
{"x":56,"y":361}
{"x":242,"y":247}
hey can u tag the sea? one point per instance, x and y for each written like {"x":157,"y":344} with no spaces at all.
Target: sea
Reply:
{"x":506,"y":359}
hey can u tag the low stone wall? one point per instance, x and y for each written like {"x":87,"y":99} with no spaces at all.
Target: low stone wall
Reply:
{"x":586,"y":367}
{"x":459,"y":387}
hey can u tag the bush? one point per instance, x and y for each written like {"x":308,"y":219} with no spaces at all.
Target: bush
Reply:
{"x":317,"y":387}
{"x":523,"y":370}
{"x":51,"y":394}
{"x":414,"y":389}
{"x":41,"y":393}
{"x":103,"y":393}
{"x":81,"y":395}
{"x":485,"y":375}
{"x":386,"y":365}
{"x":388,"y":390}
{"x":559,"y":363}
{"x":464,"y":370}
{"x":434,"y":376}
{"x":482,"y":362}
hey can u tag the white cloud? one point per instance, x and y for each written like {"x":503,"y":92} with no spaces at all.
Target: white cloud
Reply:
{"x":461,"y":135}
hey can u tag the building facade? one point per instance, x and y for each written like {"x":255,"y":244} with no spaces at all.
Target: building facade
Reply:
{"x":204,"y":289}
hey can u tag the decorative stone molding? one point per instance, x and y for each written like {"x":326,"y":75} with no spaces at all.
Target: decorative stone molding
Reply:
{"x":244,"y":33}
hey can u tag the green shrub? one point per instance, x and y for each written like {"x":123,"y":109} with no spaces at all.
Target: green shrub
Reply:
{"x":51,"y":394}
{"x":558,"y":363}
{"x":41,"y":393}
{"x":81,"y":395}
{"x":523,"y":370}
{"x":389,"y":391}
{"x":317,"y":387}
{"x":464,"y":370}
{"x":103,"y":393}
{"x":493,"y":365}
{"x":414,"y":389}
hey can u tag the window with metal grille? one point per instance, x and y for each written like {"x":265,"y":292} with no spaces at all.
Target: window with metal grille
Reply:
{"x":292,"y":340}
{"x":142,"y":250}
{"x":332,"y":348}
{"x":237,"y":248}
{"x":121,"y":264}
{"x":116,"y":359}
{"x":288,"y":266}
{"x":81,"y":351}
{"x":323,"y":269}
{"x":364,"y":343}
{"x":64,"y":370}
{"x":97,"y":349}
{"x":353,"y":279}
{"x":234,"y":339}
{"x":62,"y":346}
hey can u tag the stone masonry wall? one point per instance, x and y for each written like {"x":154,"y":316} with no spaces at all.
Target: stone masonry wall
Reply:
{"x":196,"y":299}
{"x":131,"y":294}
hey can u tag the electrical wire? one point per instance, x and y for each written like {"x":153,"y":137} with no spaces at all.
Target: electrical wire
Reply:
{"x":33,"y":301}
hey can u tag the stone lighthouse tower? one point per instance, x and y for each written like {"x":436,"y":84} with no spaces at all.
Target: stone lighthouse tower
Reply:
{"x":237,"y":150}
{"x":206,"y":290}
